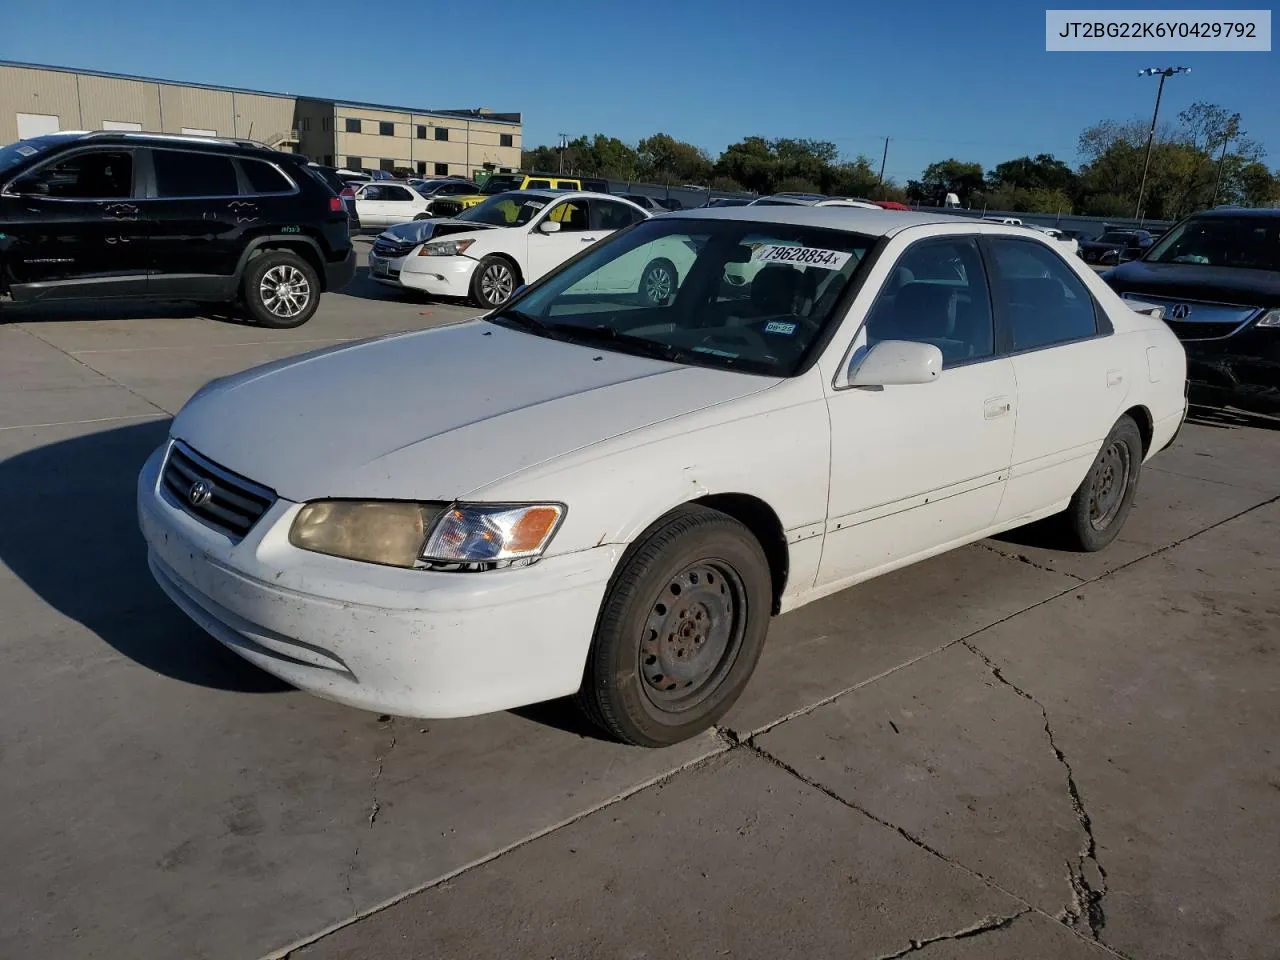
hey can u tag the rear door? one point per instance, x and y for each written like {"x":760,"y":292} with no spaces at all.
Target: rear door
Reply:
{"x":198,"y":222}
{"x":75,"y":228}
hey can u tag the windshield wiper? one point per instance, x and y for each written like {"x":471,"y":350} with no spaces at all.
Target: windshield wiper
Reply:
{"x":525,"y":321}
{"x":627,"y":342}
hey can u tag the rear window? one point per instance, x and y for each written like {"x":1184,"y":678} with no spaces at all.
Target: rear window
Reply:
{"x":264,"y":178}
{"x":186,"y":173}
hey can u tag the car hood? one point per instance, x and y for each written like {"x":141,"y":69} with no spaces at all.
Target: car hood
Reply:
{"x":435,"y":414}
{"x":1193,"y":281}
{"x":420,"y":231}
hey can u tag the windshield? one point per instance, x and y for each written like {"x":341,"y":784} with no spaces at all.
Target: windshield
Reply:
{"x":752,"y":297}
{"x":500,"y":184}
{"x":1252,"y":243}
{"x":506,"y":210}
{"x":15,"y":153}
{"x":1113,"y":237}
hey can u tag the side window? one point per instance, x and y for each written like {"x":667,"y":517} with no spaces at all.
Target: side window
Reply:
{"x":571,"y":215}
{"x":608,"y":215}
{"x":1041,"y":297}
{"x":458,"y":189}
{"x":937,"y":293}
{"x":185,"y":173}
{"x":373,"y":192}
{"x":398,"y":194}
{"x":538,"y":185}
{"x":568,"y":185}
{"x":264,"y":178}
{"x":97,"y":175}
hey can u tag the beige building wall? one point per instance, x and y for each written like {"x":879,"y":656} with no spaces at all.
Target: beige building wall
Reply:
{"x":411,"y":141}
{"x":124,"y":101}
{"x":40,"y":92}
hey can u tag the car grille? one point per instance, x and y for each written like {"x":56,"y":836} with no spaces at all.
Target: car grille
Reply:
{"x":1201,"y":320}
{"x":213,"y":495}
{"x":446,"y":208}
{"x":392,"y":248}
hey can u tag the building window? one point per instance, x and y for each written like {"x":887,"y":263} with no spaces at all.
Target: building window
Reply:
{"x":328,"y":159}
{"x":442,"y":169}
{"x":306,"y":123}
{"x":355,"y":163}
{"x":505,"y":140}
{"x":422,"y":131}
{"x":422,"y":166}
{"x":442,"y":133}
{"x":326,"y":124}
{"x":386,"y":128}
{"x":353,"y":124}
{"x":387,"y":165}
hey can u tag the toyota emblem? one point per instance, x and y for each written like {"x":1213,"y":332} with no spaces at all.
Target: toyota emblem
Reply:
{"x":201,"y":492}
{"x":1180,"y":311}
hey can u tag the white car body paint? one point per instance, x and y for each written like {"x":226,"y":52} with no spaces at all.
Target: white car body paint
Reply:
{"x":533,"y":252}
{"x":863,"y":481}
{"x":384,"y":213}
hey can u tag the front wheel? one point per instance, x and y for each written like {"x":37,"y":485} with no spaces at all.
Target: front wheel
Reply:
{"x":658,"y":282}
{"x":493,"y":282}
{"x":680,"y":631}
{"x":1101,"y":503}
{"x":280,"y":289}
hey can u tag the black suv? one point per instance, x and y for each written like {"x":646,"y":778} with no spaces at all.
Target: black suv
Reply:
{"x":1217,"y":275}
{"x":172,"y":218}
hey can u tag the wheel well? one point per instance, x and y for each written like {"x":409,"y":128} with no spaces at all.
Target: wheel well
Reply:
{"x":1146,"y":426}
{"x":515,"y":267}
{"x":304,"y":250}
{"x":758,"y":517}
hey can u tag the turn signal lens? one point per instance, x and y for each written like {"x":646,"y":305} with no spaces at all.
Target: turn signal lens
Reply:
{"x":476,"y":533}
{"x":389,"y":533}
{"x":1270,"y":319}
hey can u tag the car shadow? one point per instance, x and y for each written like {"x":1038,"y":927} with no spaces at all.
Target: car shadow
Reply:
{"x":70,"y":534}
{"x":1225,"y":418}
{"x":70,"y":310}
{"x":561,"y":715}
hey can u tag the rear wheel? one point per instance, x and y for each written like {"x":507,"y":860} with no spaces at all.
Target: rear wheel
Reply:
{"x":280,"y":289}
{"x":493,"y":282}
{"x":680,"y":630}
{"x":1101,"y":503}
{"x":658,"y":282}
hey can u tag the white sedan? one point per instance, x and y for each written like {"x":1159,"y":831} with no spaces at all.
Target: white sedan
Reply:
{"x":514,"y":239}
{"x":615,"y":495}
{"x":380,"y":204}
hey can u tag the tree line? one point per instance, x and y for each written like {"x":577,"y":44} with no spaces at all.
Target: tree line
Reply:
{"x":1202,"y":158}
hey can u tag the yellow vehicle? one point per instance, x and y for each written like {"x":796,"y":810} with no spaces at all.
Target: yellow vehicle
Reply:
{"x":503,"y":183}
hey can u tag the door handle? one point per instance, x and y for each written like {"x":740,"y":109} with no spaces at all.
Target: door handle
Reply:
{"x":1115,"y":378}
{"x":996,"y":407}
{"x":588,"y":239}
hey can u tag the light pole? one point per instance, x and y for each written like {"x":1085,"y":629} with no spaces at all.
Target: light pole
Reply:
{"x":1164,"y":73}
{"x":1232,"y":131}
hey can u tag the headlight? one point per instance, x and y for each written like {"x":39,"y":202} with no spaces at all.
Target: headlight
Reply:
{"x":384,"y":532}
{"x":400,"y":534}
{"x":491,"y":533}
{"x":1270,"y":319}
{"x":445,"y":248}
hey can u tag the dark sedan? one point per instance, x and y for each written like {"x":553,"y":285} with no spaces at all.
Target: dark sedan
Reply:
{"x":1217,"y":276}
{"x":1115,"y":246}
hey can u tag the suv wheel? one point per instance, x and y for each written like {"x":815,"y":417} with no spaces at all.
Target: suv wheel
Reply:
{"x":280,"y":289}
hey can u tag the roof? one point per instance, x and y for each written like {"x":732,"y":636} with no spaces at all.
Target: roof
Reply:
{"x":876,"y":223}
{"x":476,"y":114}
{"x":1263,"y":213}
{"x":239,"y":146}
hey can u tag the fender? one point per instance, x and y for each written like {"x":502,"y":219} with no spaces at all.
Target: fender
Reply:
{"x":271,"y":239}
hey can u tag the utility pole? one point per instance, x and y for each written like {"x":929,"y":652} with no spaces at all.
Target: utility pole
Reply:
{"x":1164,"y":73}
{"x":883,"y":160}
{"x":564,"y":143}
{"x":1232,"y":131}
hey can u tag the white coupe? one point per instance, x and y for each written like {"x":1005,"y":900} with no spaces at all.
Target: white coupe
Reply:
{"x":609,"y":495}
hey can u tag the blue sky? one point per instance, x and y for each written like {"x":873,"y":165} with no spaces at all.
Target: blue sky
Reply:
{"x":970,"y":80}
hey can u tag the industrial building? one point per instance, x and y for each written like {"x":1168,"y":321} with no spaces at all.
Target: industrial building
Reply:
{"x":37,"y":99}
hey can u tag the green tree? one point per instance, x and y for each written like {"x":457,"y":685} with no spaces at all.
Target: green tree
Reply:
{"x":948,"y":176}
{"x":663,"y":157}
{"x":1042,"y":172}
{"x":750,"y":162}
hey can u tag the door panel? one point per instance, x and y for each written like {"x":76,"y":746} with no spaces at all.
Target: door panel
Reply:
{"x":548,"y":250}
{"x":76,"y":229}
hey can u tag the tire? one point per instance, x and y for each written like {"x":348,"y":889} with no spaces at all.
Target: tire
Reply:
{"x":1101,"y":503}
{"x":494,"y":281}
{"x":264,"y":278}
{"x":649,"y":690}
{"x":658,"y":282}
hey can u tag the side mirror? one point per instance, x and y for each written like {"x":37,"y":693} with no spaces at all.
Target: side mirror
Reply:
{"x":549,"y":226}
{"x":895,"y":362}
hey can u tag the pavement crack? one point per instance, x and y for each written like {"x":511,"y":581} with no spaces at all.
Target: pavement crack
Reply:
{"x":1023,"y":558}
{"x":375,"y":806}
{"x":985,"y":925}
{"x":1087,"y":892}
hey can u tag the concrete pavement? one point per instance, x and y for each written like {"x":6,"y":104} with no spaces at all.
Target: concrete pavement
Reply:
{"x":1003,"y":752}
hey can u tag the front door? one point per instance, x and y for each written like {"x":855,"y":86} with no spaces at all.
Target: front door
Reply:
{"x":74,"y":228}
{"x":918,"y":467}
{"x":548,"y":250}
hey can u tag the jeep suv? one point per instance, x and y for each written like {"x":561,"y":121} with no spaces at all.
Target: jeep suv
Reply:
{"x":172,"y":218}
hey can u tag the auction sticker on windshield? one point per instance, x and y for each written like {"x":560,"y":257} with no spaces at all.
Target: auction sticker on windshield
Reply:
{"x":803,"y":256}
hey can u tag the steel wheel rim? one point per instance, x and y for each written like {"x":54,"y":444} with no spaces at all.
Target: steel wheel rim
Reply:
{"x":496,"y":284}
{"x":692,"y":635}
{"x":285,"y":291}
{"x":1109,"y":484}
{"x":657,"y":284}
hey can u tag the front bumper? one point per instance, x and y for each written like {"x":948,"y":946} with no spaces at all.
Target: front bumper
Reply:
{"x":339,"y":274}
{"x":439,"y":276}
{"x":385,"y":269}
{"x":407,"y":642}
{"x":1242,"y":370}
